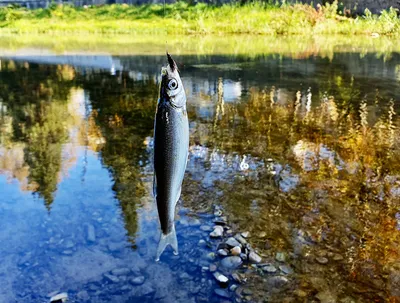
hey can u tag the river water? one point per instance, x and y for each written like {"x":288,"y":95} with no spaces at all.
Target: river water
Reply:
{"x":300,"y":150}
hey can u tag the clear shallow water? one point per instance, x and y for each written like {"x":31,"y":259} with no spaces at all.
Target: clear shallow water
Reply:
{"x":301,"y":152}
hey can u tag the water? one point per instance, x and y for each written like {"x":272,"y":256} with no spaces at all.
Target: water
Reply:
{"x":301,"y":151}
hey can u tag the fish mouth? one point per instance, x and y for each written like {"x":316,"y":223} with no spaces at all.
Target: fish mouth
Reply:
{"x":171,"y":63}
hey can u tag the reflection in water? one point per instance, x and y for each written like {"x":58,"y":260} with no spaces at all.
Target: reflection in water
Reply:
{"x":304,"y":154}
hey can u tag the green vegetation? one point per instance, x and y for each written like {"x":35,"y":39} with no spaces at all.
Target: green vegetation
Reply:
{"x":182,"y":18}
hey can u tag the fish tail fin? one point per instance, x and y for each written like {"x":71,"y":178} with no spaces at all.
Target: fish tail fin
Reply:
{"x":165,"y":240}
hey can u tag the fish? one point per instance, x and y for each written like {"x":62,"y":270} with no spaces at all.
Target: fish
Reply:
{"x":171,"y":148}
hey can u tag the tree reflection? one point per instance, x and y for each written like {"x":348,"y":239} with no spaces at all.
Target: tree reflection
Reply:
{"x":125,"y":116}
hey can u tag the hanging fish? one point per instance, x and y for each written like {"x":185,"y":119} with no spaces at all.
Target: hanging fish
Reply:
{"x":171,"y":147}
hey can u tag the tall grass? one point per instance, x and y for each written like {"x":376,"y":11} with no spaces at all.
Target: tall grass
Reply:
{"x":182,"y":18}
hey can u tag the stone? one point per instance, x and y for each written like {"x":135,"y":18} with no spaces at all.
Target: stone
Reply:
{"x":90,"y":233}
{"x":111,"y":278}
{"x":212,"y":267}
{"x":59,"y":298}
{"x":286,"y":269}
{"x":69,"y":244}
{"x":68,"y":252}
{"x":247,"y":292}
{"x":126,"y":288}
{"x":205,"y":228}
{"x":218,"y":213}
{"x":220,"y":221}
{"x":278,"y":281}
{"x":137,"y":280}
{"x":280,"y":256}
{"x":322,"y":260}
{"x":210,"y":256}
{"x":221,"y":293}
{"x":245,"y":234}
{"x":338,"y":257}
{"x":243,"y":256}
{"x":233,"y":287}
{"x":262,"y":234}
{"x":231,"y":262}
{"x":223,"y":245}
{"x":236,"y":277}
{"x":202,"y":243}
{"x":300,"y":293}
{"x":220,"y":278}
{"x":269,"y":269}
{"x":217,"y":232}
{"x":222,"y":252}
{"x":326,"y":297}
{"x":143,"y":290}
{"x":236,"y":251}
{"x":232,"y":242}
{"x":121,"y":271}
{"x":254,"y":258}
{"x":83,"y":296}
{"x":241,"y":240}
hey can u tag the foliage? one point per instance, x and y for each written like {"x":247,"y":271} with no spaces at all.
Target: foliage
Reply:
{"x":182,"y":18}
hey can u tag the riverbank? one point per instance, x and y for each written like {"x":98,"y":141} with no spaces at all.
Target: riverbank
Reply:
{"x":181,"y":18}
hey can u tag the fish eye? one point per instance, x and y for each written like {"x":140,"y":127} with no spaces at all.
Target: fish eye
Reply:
{"x":172,"y":84}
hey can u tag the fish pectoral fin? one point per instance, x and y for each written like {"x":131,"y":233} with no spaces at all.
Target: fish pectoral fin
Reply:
{"x":165,"y":240}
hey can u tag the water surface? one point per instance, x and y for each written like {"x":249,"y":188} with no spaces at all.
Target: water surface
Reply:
{"x":301,"y":150}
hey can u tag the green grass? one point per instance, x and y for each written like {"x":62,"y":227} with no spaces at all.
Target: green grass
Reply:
{"x":181,"y":18}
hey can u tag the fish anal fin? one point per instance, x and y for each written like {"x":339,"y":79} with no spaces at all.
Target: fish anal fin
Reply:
{"x":165,"y":240}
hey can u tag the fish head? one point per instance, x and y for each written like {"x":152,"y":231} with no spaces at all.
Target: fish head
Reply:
{"x":171,"y":89}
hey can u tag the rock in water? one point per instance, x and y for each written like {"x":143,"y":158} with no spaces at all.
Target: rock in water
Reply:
{"x":218,"y":232}
{"x":60,"y":298}
{"x":90,"y":233}
{"x":222,"y":293}
{"x":232,"y":242}
{"x":236,"y":251}
{"x":254,"y":258}
{"x":137,"y":280}
{"x":231,"y":262}
{"x":220,"y":277}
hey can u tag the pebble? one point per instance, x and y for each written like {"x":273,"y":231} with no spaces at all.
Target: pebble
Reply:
{"x":60,"y":298}
{"x":231,"y":262}
{"x":240,"y":239}
{"x":212,"y":267}
{"x":247,"y":292}
{"x":205,"y":228}
{"x":286,"y":269}
{"x":217,"y":232}
{"x":236,"y":277}
{"x":338,"y":257}
{"x":254,"y":258}
{"x":210,"y":256}
{"x":68,"y":252}
{"x":232,"y":242}
{"x":269,"y":269}
{"x":111,"y":278}
{"x":83,"y":296}
{"x":280,"y":256}
{"x":245,"y":234}
{"x":121,"y":271}
{"x":233,"y":287}
{"x":262,"y":234}
{"x":243,"y":256}
{"x":222,"y":252}
{"x":90,"y":233}
{"x":69,"y":244}
{"x":220,"y":221}
{"x":236,"y":251}
{"x":278,"y":281}
{"x":322,"y":260}
{"x":126,"y":288}
{"x":201,"y":242}
{"x":137,"y":280}
{"x":217,"y":213}
{"x":220,"y":277}
{"x":222,"y":293}
{"x":143,"y":290}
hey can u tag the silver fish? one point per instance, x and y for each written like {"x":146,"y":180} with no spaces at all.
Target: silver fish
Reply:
{"x":171,"y":147}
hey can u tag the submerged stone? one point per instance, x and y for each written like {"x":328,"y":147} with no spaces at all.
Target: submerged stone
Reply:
{"x":232,"y":242}
{"x":222,"y":293}
{"x":60,"y":298}
{"x":231,"y":262}
{"x":137,"y":280}
{"x":254,"y":258}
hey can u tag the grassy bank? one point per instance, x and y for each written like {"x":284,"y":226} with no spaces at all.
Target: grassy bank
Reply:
{"x":181,"y":18}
